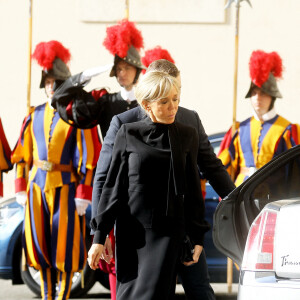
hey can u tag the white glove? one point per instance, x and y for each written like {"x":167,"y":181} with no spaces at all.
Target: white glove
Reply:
{"x":88,"y":74}
{"x":81,"y":206}
{"x":21,"y":198}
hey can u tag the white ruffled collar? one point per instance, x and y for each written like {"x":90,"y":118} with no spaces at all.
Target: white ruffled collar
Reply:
{"x":267,"y":116}
{"x":127,"y":95}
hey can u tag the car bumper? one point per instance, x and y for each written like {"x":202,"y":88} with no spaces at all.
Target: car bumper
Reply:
{"x":264,"y":285}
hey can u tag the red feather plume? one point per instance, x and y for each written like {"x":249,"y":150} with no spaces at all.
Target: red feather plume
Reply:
{"x":155,"y":54}
{"x":46,"y":52}
{"x":261,"y":64}
{"x":121,"y":36}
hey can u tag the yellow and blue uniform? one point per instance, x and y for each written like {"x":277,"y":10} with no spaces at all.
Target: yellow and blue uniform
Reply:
{"x":254,"y":144}
{"x":53,"y":232}
{"x":5,"y":152}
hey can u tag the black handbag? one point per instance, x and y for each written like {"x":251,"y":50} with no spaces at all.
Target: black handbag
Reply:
{"x":187,"y":250}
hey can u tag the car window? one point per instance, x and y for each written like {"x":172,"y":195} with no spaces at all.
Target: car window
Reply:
{"x":280,"y":183}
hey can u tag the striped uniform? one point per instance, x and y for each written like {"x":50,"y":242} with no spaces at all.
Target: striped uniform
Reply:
{"x":5,"y":152}
{"x":295,"y":134}
{"x":254,"y":144}
{"x":53,"y":233}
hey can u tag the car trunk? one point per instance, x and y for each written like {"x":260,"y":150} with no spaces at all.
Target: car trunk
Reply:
{"x":287,"y":254}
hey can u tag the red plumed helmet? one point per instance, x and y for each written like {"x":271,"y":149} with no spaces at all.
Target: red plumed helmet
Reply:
{"x":120,"y":37}
{"x":261,"y":64}
{"x":53,"y":57}
{"x":124,"y":41}
{"x":46,"y":52}
{"x":264,"y":69}
{"x":155,"y":54}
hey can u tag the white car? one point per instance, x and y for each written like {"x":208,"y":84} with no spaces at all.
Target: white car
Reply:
{"x":258,"y":226}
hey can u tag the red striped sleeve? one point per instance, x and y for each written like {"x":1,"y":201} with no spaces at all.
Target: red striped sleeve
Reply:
{"x":84,"y":192}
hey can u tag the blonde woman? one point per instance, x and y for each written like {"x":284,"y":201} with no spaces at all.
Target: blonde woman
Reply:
{"x":153,"y":194}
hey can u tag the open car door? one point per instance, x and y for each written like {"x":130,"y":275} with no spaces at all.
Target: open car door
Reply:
{"x":279,"y":179}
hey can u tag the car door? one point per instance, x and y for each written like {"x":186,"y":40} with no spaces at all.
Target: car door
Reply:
{"x":279,"y":179}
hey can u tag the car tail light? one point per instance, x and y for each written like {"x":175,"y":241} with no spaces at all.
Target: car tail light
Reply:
{"x":259,"y":250}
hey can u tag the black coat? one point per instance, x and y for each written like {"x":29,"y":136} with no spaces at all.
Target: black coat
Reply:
{"x":211,"y":167}
{"x":108,"y":106}
{"x":153,"y":193}
{"x":141,"y":181}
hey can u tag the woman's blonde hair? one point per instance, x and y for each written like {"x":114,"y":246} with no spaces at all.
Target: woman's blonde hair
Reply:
{"x":155,"y":85}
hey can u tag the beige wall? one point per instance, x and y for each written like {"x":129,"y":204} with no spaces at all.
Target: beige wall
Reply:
{"x":203,"y":52}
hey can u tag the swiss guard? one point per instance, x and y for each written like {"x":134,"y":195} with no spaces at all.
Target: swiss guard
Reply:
{"x":87,"y":109}
{"x":61,"y":160}
{"x":265,"y":134}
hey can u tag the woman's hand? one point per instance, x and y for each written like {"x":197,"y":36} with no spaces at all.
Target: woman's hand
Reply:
{"x":94,"y":255}
{"x":107,"y":253}
{"x":196,"y":255}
